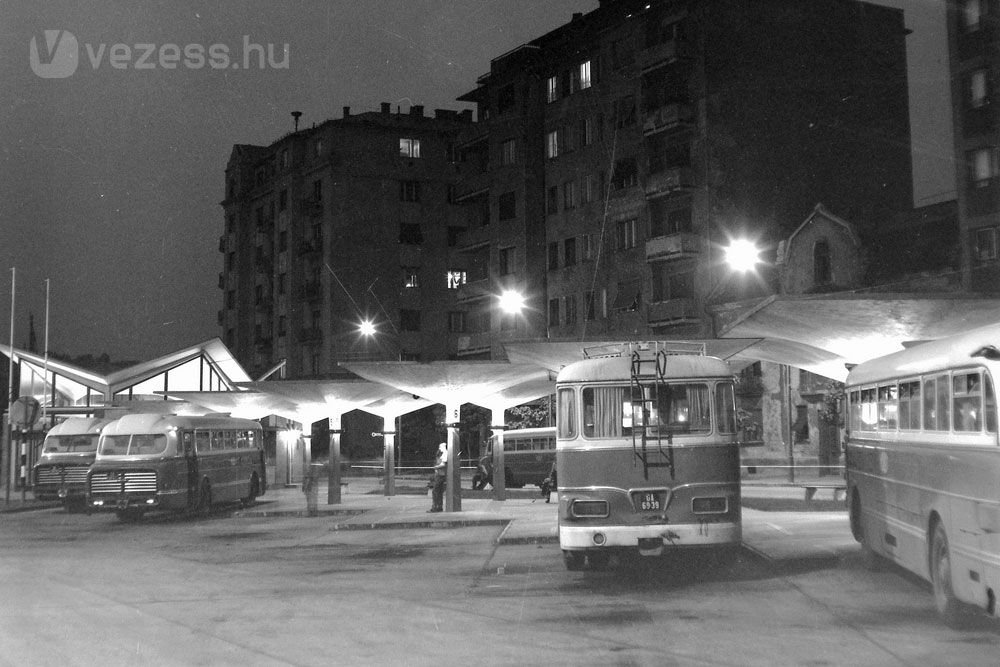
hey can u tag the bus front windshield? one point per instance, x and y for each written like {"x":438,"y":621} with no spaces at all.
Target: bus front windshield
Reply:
{"x":68,"y":444}
{"x":614,"y":411}
{"x":139,"y":444}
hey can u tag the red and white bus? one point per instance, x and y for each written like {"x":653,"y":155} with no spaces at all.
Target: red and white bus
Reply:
{"x":923,"y":465}
{"x":67,"y":454}
{"x":646,"y":453}
{"x":163,"y":461}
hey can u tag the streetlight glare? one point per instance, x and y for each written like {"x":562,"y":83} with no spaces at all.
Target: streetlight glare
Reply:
{"x":367,"y":328}
{"x":511,"y":301}
{"x":742,"y":255}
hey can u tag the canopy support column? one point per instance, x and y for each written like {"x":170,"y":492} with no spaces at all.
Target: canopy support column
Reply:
{"x":453,"y":485}
{"x":389,"y":460}
{"x":333,"y":475}
{"x":498,"y":426}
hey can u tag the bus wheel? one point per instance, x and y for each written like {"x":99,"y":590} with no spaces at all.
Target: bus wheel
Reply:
{"x":947,"y":604}
{"x":252,"y":494}
{"x":869,"y":559}
{"x":573,"y":560}
{"x":598,"y":560}
{"x":205,"y":497}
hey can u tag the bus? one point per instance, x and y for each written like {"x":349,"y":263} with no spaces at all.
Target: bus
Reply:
{"x":68,"y":451}
{"x":647,"y":453}
{"x":923,"y":466}
{"x":171,"y":462}
{"x":528,"y":455}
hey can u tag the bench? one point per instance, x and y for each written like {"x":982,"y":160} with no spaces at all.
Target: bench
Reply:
{"x":837,"y":487}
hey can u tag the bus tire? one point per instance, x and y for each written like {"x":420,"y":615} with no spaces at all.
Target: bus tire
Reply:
{"x":204,"y":497}
{"x":869,"y":558}
{"x":573,"y":560}
{"x":948,"y":606}
{"x":254,"y":491}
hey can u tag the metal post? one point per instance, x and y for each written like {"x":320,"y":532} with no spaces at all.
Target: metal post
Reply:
{"x":333,"y":477}
{"x":389,"y":462}
{"x":10,"y":389}
{"x":453,"y":484}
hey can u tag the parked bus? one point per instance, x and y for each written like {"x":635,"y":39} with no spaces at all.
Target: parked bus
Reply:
{"x":163,"y":461}
{"x":647,"y":453}
{"x":528,"y":455}
{"x":923,"y":465}
{"x":68,"y":451}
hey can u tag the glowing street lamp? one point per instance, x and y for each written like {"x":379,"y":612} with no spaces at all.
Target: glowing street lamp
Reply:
{"x":742,"y":255}
{"x":511,"y":302}
{"x":367,"y":328}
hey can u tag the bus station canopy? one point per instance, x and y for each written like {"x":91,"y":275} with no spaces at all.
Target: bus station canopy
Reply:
{"x":827,"y":333}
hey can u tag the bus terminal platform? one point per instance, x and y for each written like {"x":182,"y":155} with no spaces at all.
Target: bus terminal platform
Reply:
{"x":770,"y":506}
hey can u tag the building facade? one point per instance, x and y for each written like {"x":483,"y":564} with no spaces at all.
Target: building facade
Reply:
{"x":346,"y":222}
{"x":617,"y":154}
{"x":973,"y":38}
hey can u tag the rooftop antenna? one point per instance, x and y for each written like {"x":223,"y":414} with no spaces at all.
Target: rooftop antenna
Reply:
{"x":296,"y":115}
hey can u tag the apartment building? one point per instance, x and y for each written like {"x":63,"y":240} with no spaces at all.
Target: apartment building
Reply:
{"x":344,"y":222}
{"x":973,"y":38}
{"x":618,"y":154}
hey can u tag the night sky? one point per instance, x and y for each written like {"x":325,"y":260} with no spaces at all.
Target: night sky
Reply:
{"x":111,"y":177}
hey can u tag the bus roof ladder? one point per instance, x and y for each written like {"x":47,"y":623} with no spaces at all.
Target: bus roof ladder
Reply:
{"x":646,"y":447}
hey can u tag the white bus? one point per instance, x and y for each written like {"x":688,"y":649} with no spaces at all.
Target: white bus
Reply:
{"x":647,"y":454}
{"x":67,"y":454}
{"x":528,"y":456}
{"x":923,"y":465}
{"x":163,"y":461}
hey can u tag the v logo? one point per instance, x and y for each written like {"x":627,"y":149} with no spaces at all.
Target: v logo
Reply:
{"x":58,"y":57}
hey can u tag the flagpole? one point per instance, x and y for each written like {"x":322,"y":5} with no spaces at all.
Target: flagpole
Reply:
{"x":45,"y":364}
{"x":10,"y":388}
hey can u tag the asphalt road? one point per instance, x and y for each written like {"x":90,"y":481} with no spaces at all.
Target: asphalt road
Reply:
{"x":219,"y":590}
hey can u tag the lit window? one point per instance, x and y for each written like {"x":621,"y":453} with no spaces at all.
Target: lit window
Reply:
{"x":977,"y":89}
{"x":972,"y":12}
{"x":456,"y":279}
{"x":986,"y":244}
{"x":983,"y":166}
{"x":409,"y":147}
{"x":410,"y":277}
{"x":552,"y":144}
{"x":627,"y":233}
{"x":585,"y":75}
{"x":552,"y":89}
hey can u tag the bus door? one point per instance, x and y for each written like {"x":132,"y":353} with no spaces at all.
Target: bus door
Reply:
{"x":193,"y":441}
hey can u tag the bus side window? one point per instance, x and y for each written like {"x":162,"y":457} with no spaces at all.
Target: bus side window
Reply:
{"x":202,"y":441}
{"x":566,"y":411}
{"x":930,"y":401}
{"x":990,"y":411}
{"x":968,"y":410}
{"x":187,"y":442}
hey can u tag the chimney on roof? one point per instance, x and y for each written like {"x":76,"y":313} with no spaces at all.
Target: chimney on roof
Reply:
{"x":296,"y":115}
{"x":417,"y":110}
{"x":386,"y":107}
{"x":347,"y":112}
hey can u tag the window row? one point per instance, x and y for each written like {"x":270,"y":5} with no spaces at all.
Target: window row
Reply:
{"x":577,"y":134}
{"x":574,"y":249}
{"x":571,"y":194}
{"x":571,"y":80}
{"x":962,"y":402}
{"x":564,"y":310}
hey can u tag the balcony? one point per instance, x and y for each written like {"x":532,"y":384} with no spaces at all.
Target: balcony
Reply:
{"x":674,"y":312}
{"x":674,"y":246}
{"x":669,"y":180}
{"x":663,"y":54}
{"x":667,"y":117}
{"x":472,"y":187}
{"x":473,"y":291}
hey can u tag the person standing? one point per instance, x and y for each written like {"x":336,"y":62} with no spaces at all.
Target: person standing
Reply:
{"x":440,"y":473}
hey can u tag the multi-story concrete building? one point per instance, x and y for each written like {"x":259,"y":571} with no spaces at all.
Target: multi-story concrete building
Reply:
{"x":973,"y":40}
{"x":618,"y":153}
{"x":347,"y":221}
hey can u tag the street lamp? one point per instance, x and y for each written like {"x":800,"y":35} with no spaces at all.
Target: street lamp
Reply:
{"x":511,"y":302}
{"x":367,"y":328}
{"x":742,"y":255}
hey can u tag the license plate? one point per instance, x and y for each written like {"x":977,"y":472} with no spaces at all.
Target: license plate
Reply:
{"x":648,"y":501}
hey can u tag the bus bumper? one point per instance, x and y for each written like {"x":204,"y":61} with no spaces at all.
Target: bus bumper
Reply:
{"x":651,"y":538}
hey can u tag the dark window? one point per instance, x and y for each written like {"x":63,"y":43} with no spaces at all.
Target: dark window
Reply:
{"x":552,"y":200}
{"x":822,"y":270}
{"x":626,"y":174}
{"x":409,"y":320}
{"x":506,"y":99}
{"x":409,"y":191}
{"x":318,"y":191}
{"x":625,"y":112}
{"x":456,"y":322}
{"x":553,"y":312}
{"x":506,"y":261}
{"x":506,"y":206}
{"x":570,"y":251}
{"x":283,"y":200}
{"x":553,"y":256}
{"x":454,"y":235}
{"x":409,"y":233}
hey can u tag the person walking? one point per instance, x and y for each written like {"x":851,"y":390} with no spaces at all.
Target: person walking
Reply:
{"x":440,"y":472}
